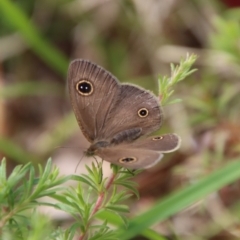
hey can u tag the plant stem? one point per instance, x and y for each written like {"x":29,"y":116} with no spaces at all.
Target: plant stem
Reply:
{"x":99,"y":202}
{"x":110,"y":181}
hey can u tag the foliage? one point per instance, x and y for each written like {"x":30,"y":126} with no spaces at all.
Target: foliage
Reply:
{"x":178,"y":73}
{"x":133,"y":42}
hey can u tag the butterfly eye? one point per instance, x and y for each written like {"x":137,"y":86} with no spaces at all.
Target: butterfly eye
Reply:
{"x":127,"y":160}
{"x":84,"y":87}
{"x":142,"y":112}
{"x":157,"y":138}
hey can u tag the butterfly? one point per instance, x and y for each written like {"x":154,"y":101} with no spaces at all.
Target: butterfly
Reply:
{"x":117,"y":118}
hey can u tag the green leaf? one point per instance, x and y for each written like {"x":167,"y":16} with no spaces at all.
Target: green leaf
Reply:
{"x":29,"y":184}
{"x":45,"y":50}
{"x":110,"y":216}
{"x":129,"y":185}
{"x":17,"y":174}
{"x":118,"y":207}
{"x":120,"y":196}
{"x":86,"y":179}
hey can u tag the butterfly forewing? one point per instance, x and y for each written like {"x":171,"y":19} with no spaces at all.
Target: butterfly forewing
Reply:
{"x":92,"y":104}
{"x":135,"y":108}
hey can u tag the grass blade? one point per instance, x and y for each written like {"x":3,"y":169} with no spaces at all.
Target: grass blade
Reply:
{"x":43,"y":49}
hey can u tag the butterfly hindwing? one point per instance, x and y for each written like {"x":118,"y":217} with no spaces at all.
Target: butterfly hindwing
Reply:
{"x":164,"y":143}
{"x":132,"y":158}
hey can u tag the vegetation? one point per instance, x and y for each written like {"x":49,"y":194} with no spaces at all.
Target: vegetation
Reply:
{"x":137,"y":41}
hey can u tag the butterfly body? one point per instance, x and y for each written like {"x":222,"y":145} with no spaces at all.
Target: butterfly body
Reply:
{"x":114,"y":117}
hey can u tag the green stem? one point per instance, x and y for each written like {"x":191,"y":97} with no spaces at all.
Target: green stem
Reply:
{"x":99,"y":203}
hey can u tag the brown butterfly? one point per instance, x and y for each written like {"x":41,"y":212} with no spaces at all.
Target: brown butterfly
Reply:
{"x":113,"y":117}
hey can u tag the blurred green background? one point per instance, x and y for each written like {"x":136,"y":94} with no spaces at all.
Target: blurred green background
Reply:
{"x":136,"y":40}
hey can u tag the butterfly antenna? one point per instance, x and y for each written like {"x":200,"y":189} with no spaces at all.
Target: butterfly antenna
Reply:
{"x":79,"y":162}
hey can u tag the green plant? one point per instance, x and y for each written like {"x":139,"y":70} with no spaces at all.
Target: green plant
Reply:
{"x":93,"y":198}
{"x":178,"y":73}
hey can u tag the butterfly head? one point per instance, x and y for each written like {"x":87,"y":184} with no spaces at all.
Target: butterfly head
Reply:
{"x":92,"y":150}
